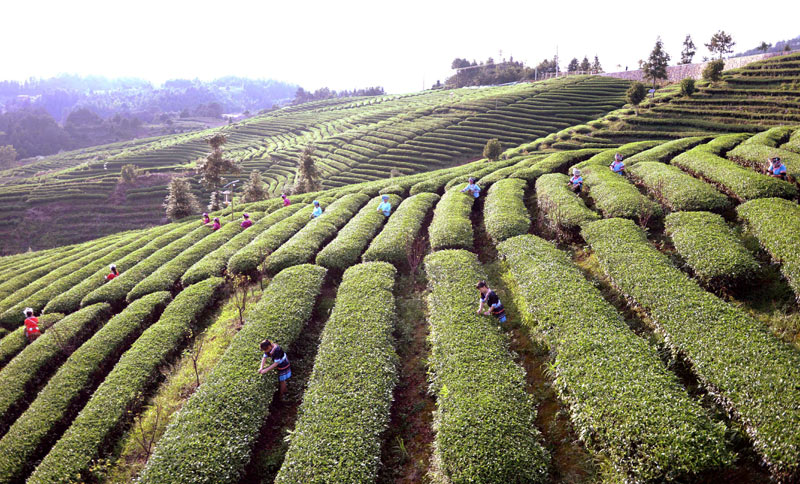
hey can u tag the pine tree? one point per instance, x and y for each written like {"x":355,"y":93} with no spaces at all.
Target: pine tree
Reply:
{"x":596,"y":67}
{"x":214,"y":203}
{"x":306,"y":178}
{"x":180,"y":201}
{"x":254,"y":188}
{"x":636,"y":94}
{"x":585,"y":65}
{"x":721,"y":43}
{"x":573,"y":65}
{"x":656,"y":66}
{"x":492,"y":150}
{"x":689,"y":50}
{"x":764,"y":47}
{"x":215,"y":165}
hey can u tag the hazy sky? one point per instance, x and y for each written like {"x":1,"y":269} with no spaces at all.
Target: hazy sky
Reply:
{"x":346,"y":44}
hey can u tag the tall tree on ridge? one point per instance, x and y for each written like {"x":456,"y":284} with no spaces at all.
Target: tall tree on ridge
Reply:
{"x":689,"y":50}
{"x":656,"y":66}
{"x":721,"y":43}
{"x":307,"y":176}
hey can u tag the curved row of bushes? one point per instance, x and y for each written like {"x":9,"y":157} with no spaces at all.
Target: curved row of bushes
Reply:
{"x":613,"y":194}
{"x":628,"y":407}
{"x":394,"y":241}
{"x":346,"y":405}
{"x":304,"y":245}
{"x":559,"y":205}
{"x":484,"y":420}
{"x":345,"y":250}
{"x":93,"y":432}
{"x":776,"y":224}
{"x":157,"y":237}
{"x":713,"y":251}
{"x":16,"y":341}
{"x":451,"y":226}
{"x":115,"y":291}
{"x":214,"y":263}
{"x":196,"y":448}
{"x":35,"y":431}
{"x":505,"y":214}
{"x":666,"y":151}
{"x":752,"y":373}
{"x":677,"y":190}
{"x":28,"y":371}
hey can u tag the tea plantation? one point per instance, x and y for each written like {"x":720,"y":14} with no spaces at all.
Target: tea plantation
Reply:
{"x":652,"y":316}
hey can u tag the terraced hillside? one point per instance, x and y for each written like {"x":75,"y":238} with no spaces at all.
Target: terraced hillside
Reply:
{"x":674,"y":285}
{"x":754,"y":98}
{"x":356,"y":139}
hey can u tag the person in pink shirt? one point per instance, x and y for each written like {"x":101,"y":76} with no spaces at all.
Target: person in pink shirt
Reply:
{"x":286,"y":201}
{"x":246,"y":222}
{"x":215,"y":225}
{"x":206,"y":220}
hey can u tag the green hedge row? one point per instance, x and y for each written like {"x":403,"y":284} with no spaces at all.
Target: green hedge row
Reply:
{"x":451,"y":226}
{"x":211,"y":439}
{"x":794,"y":142}
{"x":677,"y":190}
{"x":713,"y":251}
{"x":560,"y":206}
{"x":37,"y":429}
{"x":666,"y":151}
{"x":115,"y":291}
{"x":346,"y":405}
{"x":478,"y":171}
{"x":28,"y":371}
{"x":345,"y":250}
{"x":304,"y":245}
{"x":169,"y":273}
{"x":247,"y":259}
{"x":393,"y":242}
{"x":752,"y":373}
{"x":15,"y":341}
{"x":214,"y":263}
{"x":629,"y":407}
{"x":157,"y":237}
{"x":605,"y":157}
{"x":93,"y":432}
{"x":484,"y":420}
{"x":615,"y":196}
{"x":558,"y":162}
{"x":739,"y":182}
{"x":756,"y":155}
{"x":505,"y":213}
{"x":776,"y":224}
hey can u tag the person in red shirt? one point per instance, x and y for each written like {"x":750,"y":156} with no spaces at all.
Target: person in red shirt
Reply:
{"x":114,"y":272}
{"x":247,"y":222}
{"x":31,"y":325}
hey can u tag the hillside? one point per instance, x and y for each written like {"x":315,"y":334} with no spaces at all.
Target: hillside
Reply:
{"x":356,"y":139}
{"x":652,"y":333}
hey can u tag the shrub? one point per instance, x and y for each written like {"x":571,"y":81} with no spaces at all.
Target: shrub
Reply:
{"x":15,"y":341}
{"x":128,"y":173}
{"x":492,"y":150}
{"x":115,"y":291}
{"x":636,"y":94}
{"x":687,"y":87}
{"x":750,"y":371}
{"x":93,"y":432}
{"x":249,"y":257}
{"x":155,"y":238}
{"x":214,"y":263}
{"x":675,"y":189}
{"x":505,"y":214}
{"x":196,"y":448}
{"x":451,"y":225}
{"x":393,"y":242}
{"x":345,"y":409}
{"x":180,"y":201}
{"x":25,"y":374}
{"x":629,"y":407}
{"x":709,"y":246}
{"x":712,"y":72}
{"x":351,"y":241}
{"x":484,"y":419}
{"x":561,"y":208}
{"x":35,"y":431}
{"x":776,"y":224}
{"x":302,"y":247}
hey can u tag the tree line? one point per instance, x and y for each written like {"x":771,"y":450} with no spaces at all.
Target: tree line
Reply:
{"x":508,"y":70}
{"x":302,"y":96}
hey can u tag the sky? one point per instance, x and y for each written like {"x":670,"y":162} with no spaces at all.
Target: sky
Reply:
{"x":402,"y":46}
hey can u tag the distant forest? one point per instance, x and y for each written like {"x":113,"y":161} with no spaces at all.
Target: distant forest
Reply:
{"x":779,"y":46}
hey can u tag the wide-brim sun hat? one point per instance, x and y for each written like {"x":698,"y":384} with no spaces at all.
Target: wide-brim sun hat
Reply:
{"x":576,"y":171}
{"x":26,"y":311}
{"x":245,"y":215}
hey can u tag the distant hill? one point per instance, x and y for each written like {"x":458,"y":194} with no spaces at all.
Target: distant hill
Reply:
{"x":779,"y":46}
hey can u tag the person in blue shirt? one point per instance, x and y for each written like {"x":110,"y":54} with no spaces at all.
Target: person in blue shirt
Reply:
{"x":491,"y":301}
{"x":317,"y":210}
{"x":385,"y":206}
{"x":279,"y":361}
{"x":472,"y":188}
{"x":576,"y":182}
{"x":776,"y":168}
{"x":617,"y":166}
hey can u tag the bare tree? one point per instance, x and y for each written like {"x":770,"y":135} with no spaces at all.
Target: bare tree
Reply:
{"x":240,"y":288}
{"x":146,"y":438}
